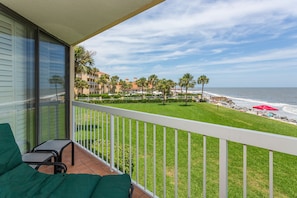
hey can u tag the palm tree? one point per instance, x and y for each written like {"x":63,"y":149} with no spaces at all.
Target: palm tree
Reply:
{"x":175,"y":84}
{"x":125,"y":86}
{"x":93,"y":71}
{"x":122,"y":83}
{"x":113,"y":82}
{"x":153,"y":80}
{"x":202,"y":80}
{"x":187,"y":82}
{"x":55,"y":79}
{"x":80,"y":84}
{"x":165,"y":86}
{"x":129,"y":85}
{"x":102,"y":81}
{"x":180,"y":83}
{"x":142,"y":82}
{"x":83,"y":60}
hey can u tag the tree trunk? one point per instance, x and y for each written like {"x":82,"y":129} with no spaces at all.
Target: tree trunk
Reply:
{"x":202,"y":91}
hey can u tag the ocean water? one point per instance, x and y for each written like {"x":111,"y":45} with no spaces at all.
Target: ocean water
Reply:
{"x":285,"y":99}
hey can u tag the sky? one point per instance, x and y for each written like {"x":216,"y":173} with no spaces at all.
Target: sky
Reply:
{"x":235,"y":43}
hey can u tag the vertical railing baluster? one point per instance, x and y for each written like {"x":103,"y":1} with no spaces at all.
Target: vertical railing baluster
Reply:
{"x":244,"y":171}
{"x":91,"y":131}
{"x":176,"y":164}
{"x":164,"y":162}
{"x":85,"y":130}
{"x":130,"y":147}
{"x":189,"y":164}
{"x":88,"y":129}
{"x":223,"y":168}
{"x":137,"y":149}
{"x":271,"y":174}
{"x":137,"y":152}
{"x":112,"y":142}
{"x":155,"y":161}
{"x":98,"y":133}
{"x":145,"y":155}
{"x":94,"y":131}
{"x":204,"y":165}
{"x":123,"y":146}
{"x":107,"y":122}
{"x":102,"y":135}
{"x":118,"y":143}
{"x":81,"y":125}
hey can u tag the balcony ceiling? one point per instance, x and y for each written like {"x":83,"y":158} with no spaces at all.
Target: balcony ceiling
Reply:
{"x":74,"y":21}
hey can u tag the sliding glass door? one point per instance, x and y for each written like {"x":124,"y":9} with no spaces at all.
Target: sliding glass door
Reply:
{"x":34,"y":88}
{"x":17,"y":101}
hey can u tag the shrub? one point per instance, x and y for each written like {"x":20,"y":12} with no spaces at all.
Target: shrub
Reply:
{"x":157,"y":100}
{"x":124,"y":166}
{"x":202,"y":100}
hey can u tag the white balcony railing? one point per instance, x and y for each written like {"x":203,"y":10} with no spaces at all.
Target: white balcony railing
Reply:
{"x":171,"y":157}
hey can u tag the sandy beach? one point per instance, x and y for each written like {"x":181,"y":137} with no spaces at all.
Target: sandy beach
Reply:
{"x":228,"y":103}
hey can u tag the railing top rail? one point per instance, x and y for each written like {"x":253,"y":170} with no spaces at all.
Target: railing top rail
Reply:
{"x":274,"y":142}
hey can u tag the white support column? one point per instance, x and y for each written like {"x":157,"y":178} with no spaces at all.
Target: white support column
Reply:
{"x":223,"y":168}
{"x":71,"y":92}
{"x":73,"y":130}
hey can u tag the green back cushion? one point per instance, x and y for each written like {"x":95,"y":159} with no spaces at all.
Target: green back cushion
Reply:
{"x":10,"y":155}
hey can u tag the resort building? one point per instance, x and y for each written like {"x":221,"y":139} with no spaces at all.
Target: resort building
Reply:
{"x":94,"y":87}
{"x":133,"y":89}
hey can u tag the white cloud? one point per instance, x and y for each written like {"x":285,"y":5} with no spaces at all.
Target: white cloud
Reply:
{"x":180,"y":35}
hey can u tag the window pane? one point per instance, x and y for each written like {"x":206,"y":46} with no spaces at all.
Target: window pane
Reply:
{"x":52,"y":89}
{"x":16,"y":85}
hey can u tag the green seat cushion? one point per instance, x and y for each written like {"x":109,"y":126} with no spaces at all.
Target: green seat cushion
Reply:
{"x":10,"y":155}
{"x":26,"y":182}
{"x":113,"y":186}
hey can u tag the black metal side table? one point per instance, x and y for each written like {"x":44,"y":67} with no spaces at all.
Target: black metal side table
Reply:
{"x":35,"y":160}
{"x":57,"y":146}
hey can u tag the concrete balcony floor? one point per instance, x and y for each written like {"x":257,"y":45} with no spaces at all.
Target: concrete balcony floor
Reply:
{"x":86,"y":163}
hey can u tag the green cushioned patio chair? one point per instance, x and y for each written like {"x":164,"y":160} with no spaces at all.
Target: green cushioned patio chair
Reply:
{"x":18,"y":179}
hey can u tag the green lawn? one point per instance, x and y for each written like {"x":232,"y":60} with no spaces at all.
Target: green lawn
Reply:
{"x":285,"y":178}
{"x":210,"y":113}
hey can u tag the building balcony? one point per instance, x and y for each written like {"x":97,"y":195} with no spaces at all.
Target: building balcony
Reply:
{"x":171,"y":157}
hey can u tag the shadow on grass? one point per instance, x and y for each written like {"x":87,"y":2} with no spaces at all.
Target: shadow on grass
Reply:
{"x":182,"y":105}
{"x":185,"y":105}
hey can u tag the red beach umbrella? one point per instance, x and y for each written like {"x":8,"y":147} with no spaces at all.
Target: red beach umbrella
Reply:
{"x":265,"y":107}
